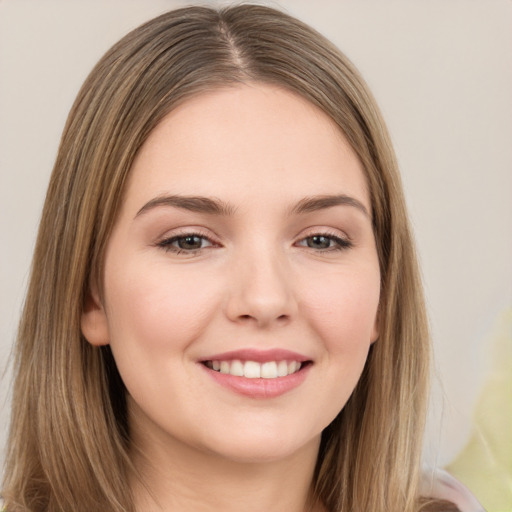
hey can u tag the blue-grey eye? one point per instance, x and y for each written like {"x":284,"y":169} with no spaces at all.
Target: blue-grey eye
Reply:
{"x":325,"y":242}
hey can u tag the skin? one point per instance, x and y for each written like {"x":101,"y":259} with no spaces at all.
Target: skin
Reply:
{"x":258,"y":281}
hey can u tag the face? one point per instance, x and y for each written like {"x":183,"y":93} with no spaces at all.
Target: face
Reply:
{"x":241,"y":280}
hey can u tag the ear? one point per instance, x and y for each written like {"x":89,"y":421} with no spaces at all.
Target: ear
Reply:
{"x":94,"y":320}
{"x":376,"y":327}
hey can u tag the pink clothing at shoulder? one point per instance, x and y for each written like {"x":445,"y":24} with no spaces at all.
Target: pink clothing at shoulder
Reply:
{"x":440,"y":484}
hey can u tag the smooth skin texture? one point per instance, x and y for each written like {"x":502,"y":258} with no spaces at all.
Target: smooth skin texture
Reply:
{"x":260,"y":274}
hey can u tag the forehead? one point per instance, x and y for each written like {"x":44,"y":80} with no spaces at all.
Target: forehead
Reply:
{"x":247,"y":141}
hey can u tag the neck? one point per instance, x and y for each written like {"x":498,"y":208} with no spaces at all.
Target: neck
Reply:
{"x":174,"y":477}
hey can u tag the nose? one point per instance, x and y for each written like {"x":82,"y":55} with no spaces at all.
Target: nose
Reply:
{"x":261,"y":290}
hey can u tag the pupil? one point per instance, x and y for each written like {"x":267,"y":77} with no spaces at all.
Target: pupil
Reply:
{"x":190,"y":242}
{"x":319,"y":242}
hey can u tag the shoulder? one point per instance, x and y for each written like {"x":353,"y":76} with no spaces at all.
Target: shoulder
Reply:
{"x":439,"y":484}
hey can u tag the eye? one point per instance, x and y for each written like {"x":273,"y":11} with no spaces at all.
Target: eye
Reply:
{"x":325,"y":242}
{"x":186,"y":243}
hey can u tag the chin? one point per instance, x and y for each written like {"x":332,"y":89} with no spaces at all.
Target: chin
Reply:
{"x":257,"y":447}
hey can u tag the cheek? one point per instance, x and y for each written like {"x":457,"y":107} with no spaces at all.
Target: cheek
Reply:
{"x":342,"y":314}
{"x":343,"y":309}
{"x":154,"y":308}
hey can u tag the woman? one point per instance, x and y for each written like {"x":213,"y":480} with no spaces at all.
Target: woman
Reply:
{"x":224,"y":309}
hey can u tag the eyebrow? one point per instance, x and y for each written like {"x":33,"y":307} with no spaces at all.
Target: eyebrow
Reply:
{"x":196,"y":204}
{"x":315,"y":203}
{"x":214,"y":206}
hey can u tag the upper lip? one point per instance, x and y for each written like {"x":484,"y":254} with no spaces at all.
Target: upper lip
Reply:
{"x":257,"y":355}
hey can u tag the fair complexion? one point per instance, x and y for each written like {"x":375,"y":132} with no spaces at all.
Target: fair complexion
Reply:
{"x":245,"y":243}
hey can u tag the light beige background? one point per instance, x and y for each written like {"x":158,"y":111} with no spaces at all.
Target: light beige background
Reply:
{"x":440,"y":70}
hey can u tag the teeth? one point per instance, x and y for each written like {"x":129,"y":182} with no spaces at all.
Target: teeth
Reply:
{"x":293,"y":366}
{"x":254,"y":370}
{"x":282,"y":369}
{"x":269,"y":370}
{"x":237,"y":368}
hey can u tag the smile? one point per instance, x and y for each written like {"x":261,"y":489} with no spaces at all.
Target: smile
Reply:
{"x":258,"y":374}
{"x":255,"y":370}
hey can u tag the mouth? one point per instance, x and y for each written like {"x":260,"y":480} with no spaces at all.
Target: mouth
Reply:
{"x":258,"y":374}
{"x":256,"y":370}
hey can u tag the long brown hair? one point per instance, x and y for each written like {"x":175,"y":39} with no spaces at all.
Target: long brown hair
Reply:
{"x":69,"y":436}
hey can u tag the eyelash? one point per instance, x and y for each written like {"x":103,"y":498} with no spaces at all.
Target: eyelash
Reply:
{"x":166,"y":244}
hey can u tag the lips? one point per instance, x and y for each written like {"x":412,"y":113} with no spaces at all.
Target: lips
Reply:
{"x":258,"y":374}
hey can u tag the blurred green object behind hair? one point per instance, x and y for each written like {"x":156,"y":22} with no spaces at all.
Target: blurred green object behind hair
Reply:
{"x":485,"y":464}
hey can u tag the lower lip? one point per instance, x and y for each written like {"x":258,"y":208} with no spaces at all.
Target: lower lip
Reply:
{"x":259,"y":388}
